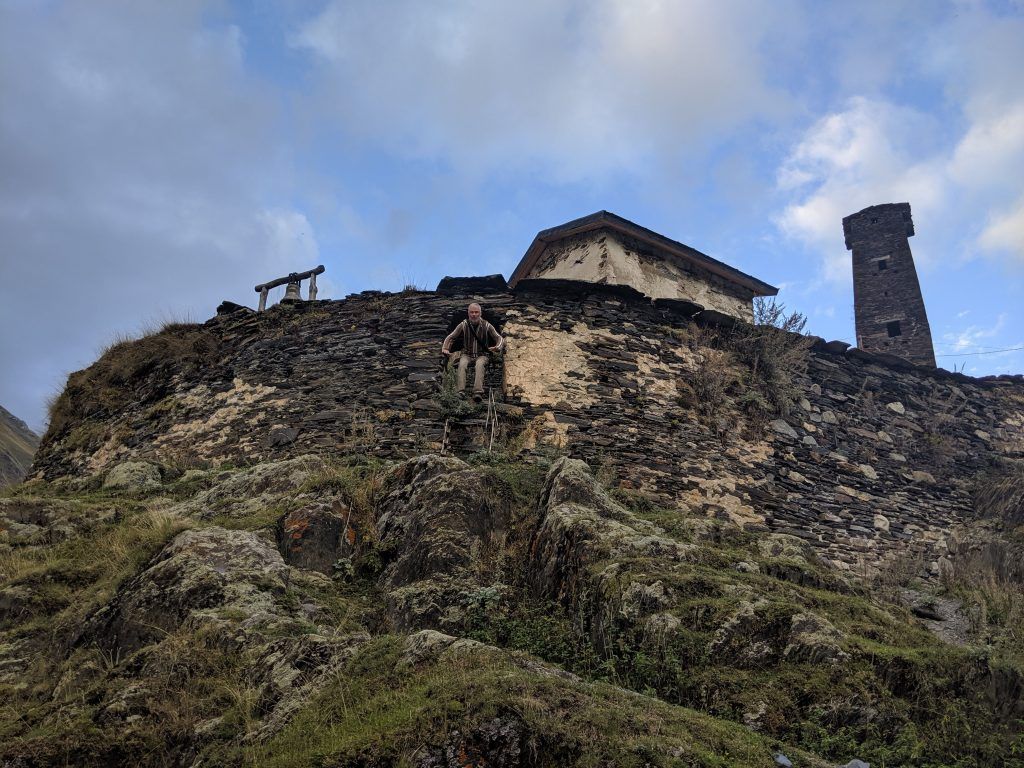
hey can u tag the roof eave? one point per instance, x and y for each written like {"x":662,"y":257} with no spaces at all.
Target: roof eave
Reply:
{"x":619,"y":224}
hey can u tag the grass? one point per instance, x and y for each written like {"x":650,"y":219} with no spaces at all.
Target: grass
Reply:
{"x":746,"y":374}
{"x":190,"y":679}
{"x":379,"y":711}
{"x":86,"y":570}
{"x":999,"y":494}
{"x":914,"y":684}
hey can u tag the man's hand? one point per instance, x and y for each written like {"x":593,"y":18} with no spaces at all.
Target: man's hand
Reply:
{"x":495,"y":348}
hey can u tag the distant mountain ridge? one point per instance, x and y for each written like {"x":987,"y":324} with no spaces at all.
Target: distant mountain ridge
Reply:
{"x":18,"y":444}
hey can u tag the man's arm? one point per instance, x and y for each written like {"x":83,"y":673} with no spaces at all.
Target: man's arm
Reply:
{"x":446,"y":346}
{"x":498,"y":341}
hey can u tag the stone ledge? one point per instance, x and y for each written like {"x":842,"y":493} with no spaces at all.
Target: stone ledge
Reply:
{"x":482,"y":284}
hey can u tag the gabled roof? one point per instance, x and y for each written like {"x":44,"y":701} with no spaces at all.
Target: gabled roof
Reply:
{"x":608,"y":220}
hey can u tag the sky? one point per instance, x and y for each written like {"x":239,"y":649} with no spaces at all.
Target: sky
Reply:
{"x":157,"y":158}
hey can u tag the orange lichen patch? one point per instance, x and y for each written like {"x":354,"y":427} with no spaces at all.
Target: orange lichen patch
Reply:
{"x":295,"y":527}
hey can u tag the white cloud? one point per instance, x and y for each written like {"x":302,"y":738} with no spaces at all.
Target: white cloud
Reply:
{"x":991,"y":152}
{"x":1005,"y":232}
{"x":961,"y":175}
{"x":968,"y":339}
{"x":849,"y":160}
{"x":290,"y":238}
{"x":579,"y":90}
{"x":139,"y":176}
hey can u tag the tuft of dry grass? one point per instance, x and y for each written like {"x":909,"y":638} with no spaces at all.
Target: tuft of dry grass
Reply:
{"x":1000,"y":494}
{"x":105,"y":557}
{"x":116,"y":379}
{"x":774,"y":350}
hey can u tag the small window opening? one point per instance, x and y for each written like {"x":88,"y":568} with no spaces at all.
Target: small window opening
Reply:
{"x":874,"y":219}
{"x":893,"y":328}
{"x":883,"y":264}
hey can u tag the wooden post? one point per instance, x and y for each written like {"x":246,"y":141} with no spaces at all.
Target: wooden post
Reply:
{"x":312,"y":287}
{"x":263,"y":299}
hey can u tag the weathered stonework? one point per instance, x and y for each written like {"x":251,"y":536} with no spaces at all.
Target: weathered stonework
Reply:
{"x":875,"y":462}
{"x":887,"y":299}
{"x":603,"y":256}
{"x":606,"y":249}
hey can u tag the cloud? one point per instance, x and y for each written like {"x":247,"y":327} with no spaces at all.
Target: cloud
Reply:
{"x":991,"y":152}
{"x":139,"y":178}
{"x":848,"y":160}
{"x":968,"y":339}
{"x":575,"y":89}
{"x":961,"y":173}
{"x":1005,"y":232}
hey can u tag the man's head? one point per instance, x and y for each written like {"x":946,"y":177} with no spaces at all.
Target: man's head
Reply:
{"x":474,"y":313}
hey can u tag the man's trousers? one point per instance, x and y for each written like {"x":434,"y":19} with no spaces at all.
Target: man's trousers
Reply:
{"x":478,"y":380}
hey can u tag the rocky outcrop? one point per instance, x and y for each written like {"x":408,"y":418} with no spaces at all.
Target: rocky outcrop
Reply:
{"x":133,"y":476}
{"x":289,"y":672}
{"x":202,"y":577}
{"x":580,"y":525}
{"x":242,"y":494}
{"x":337,"y":612}
{"x":315,"y":536}
{"x":439,"y":522}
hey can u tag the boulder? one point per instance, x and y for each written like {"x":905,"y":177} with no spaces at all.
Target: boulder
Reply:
{"x":250,"y":491}
{"x":437,"y":516}
{"x":290,"y":671}
{"x":749,"y":637}
{"x":313,"y":537}
{"x":580,"y":524}
{"x":813,"y":640}
{"x":200,"y":576}
{"x":133,"y":476}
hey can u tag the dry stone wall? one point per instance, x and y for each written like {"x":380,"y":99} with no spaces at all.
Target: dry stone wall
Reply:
{"x":874,"y":462}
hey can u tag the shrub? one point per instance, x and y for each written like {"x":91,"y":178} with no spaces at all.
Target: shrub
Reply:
{"x":449,"y":398}
{"x":774,"y":350}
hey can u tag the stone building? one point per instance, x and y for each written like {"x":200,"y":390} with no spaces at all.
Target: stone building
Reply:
{"x":887,"y":299}
{"x":608,"y":249}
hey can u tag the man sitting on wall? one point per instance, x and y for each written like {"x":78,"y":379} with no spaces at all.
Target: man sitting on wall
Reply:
{"x":477,"y":336}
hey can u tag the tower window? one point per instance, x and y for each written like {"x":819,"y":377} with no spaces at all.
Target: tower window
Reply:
{"x":874,"y":219}
{"x":883,"y":264}
{"x":893,"y":328}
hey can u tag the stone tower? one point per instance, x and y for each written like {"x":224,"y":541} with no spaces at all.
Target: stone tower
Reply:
{"x":887,"y":297}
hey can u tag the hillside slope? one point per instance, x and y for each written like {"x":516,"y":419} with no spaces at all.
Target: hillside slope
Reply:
{"x":433,"y":612}
{"x":18,"y":444}
{"x":281,"y":539}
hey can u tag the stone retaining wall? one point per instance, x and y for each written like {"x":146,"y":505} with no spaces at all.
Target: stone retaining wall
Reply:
{"x":874,"y":462}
